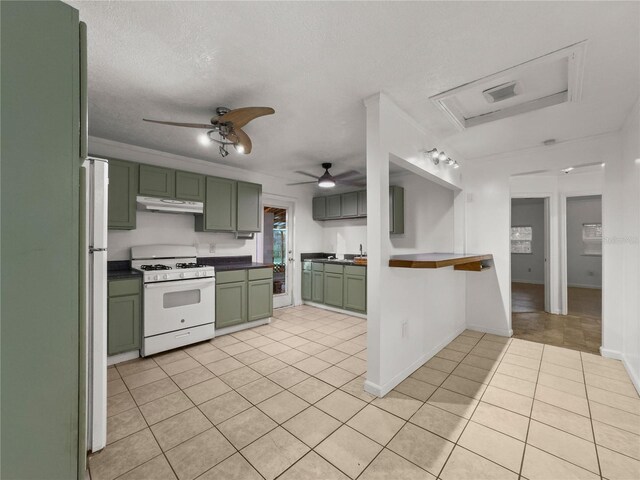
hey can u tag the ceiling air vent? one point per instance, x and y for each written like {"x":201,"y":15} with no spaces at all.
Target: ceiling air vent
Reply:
{"x":501,"y":92}
{"x":533,"y":85}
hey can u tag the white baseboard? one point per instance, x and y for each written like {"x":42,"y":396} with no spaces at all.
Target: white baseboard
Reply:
{"x":616,"y":355}
{"x":334,"y":309}
{"x":532,"y":282}
{"x":382,"y":390}
{"x":608,"y":353}
{"x":242,"y":326}
{"x":578,"y":285}
{"x":122,"y":357}
{"x":494,"y":331}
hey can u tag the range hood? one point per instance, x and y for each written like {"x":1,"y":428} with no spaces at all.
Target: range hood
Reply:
{"x":168,"y":205}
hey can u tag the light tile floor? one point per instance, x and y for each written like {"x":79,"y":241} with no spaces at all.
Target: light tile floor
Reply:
{"x":286,"y":401}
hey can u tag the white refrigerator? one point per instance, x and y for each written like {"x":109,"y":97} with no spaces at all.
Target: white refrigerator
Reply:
{"x":96,"y":181}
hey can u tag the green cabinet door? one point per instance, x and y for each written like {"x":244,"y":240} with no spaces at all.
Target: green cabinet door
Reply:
{"x":124,"y":324}
{"x":231,"y":304}
{"x":349,"y":204}
{"x":319,"y":208}
{"x":219,"y":206}
{"x":190,"y":186}
{"x":333,"y":289}
{"x":157,"y":181}
{"x":334,"y":206}
{"x":249,"y":207}
{"x":317,"y":286}
{"x":123,"y":188}
{"x":355,"y":292}
{"x":362,"y":203}
{"x":260,"y":299}
{"x":306,"y":284}
{"x":396,"y":210}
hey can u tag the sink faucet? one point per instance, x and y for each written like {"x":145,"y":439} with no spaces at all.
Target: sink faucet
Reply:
{"x":361,"y":250}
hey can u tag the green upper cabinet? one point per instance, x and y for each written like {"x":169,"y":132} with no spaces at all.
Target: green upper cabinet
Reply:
{"x":362,"y":203}
{"x":396,"y":210}
{"x":319,"y":208}
{"x":190,"y":186}
{"x":249,"y":203}
{"x":123,"y":188}
{"x":157,"y":181}
{"x":350,"y":204}
{"x":219,"y":206}
{"x":334,"y":206}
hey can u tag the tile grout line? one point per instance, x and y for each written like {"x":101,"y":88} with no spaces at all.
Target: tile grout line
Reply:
{"x":593,"y":431}
{"x":533,"y":400}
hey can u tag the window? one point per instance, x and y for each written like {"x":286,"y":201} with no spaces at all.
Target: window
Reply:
{"x":592,"y":239}
{"x":521,"y":238}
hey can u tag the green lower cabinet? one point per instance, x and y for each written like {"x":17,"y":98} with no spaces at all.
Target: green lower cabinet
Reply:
{"x":260,"y":299}
{"x":306,"y":284}
{"x":124,"y":311}
{"x":355,"y":292}
{"x":231,"y":304}
{"x":333,"y":289}
{"x":317,"y":286}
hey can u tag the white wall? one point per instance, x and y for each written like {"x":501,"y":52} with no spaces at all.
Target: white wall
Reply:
{"x":169,"y":228}
{"x":488,"y":189}
{"x":529,"y":267}
{"x":629,"y":243}
{"x":582,"y":270}
{"x":344,"y":236}
{"x":413,"y":312}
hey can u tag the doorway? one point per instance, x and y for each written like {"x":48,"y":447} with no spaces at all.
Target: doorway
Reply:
{"x":530,"y":271}
{"x":583,"y":293}
{"x":275,"y":246}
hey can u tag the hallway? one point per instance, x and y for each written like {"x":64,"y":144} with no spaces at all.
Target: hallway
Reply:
{"x":580,"y":330}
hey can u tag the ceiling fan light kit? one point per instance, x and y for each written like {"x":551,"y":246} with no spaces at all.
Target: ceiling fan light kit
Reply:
{"x":326,"y":180}
{"x":227,"y":125}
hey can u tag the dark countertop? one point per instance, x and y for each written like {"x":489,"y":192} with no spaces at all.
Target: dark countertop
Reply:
{"x":241,"y":266}
{"x":120,"y":269}
{"x":227,"y":264}
{"x":333,"y":262}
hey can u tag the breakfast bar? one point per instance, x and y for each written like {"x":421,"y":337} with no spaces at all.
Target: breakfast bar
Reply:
{"x":459,"y":261}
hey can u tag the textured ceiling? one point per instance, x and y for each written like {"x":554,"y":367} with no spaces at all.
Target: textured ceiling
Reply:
{"x":315,"y":63}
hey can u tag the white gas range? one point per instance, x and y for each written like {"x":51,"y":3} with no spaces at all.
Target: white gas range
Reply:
{"x":178,"y":298}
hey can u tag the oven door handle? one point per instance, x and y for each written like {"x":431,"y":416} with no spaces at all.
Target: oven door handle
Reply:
{"x":183,"y":283}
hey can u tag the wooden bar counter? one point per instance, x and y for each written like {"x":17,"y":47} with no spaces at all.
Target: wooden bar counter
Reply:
{"x":459,"y":261}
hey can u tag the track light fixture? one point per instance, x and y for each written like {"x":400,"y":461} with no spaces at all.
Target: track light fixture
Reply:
{"x":437,"y":156}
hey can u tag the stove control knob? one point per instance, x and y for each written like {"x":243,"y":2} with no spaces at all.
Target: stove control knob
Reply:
{"x":197,"y":274}
{"x":182,"y":275}
{"x":155,"y":277}
{"x":165,"y":276}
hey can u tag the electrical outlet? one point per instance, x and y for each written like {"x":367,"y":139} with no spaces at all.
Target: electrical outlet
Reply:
{"x":212,"y":248}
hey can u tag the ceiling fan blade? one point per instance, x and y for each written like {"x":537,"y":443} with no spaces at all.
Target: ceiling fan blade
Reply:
{"x":176,"y":124}
{"x":307,"y":174}
{"x":239,"y":137}
{"x":241,"y":116}
{"x":350,"y":173}
{"x":301,"y":183}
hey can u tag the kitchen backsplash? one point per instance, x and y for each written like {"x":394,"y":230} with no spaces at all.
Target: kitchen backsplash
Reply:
{"x":174,"y":229}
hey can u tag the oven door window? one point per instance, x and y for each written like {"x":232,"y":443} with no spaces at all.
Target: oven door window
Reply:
{"x":180,"y":299}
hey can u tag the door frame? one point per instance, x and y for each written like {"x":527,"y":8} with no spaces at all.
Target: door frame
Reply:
{"x":550,"y":281}
{"x":279,"y":201}
{"x":564,"y":273}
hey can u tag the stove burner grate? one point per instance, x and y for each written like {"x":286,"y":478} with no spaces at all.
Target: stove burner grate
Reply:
{"x":158,"y":266}
{"x":189,"y":265}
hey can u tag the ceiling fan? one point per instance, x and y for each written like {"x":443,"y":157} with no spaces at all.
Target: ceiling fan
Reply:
{"x":326,"y":180}
{"x":228,"y":125}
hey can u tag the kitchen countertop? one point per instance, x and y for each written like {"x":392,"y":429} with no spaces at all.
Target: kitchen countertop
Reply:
{"x":346,"y":261}
{"x":241,"y":266}
{"x":119,"y":269}
{"x":437,"y":260}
